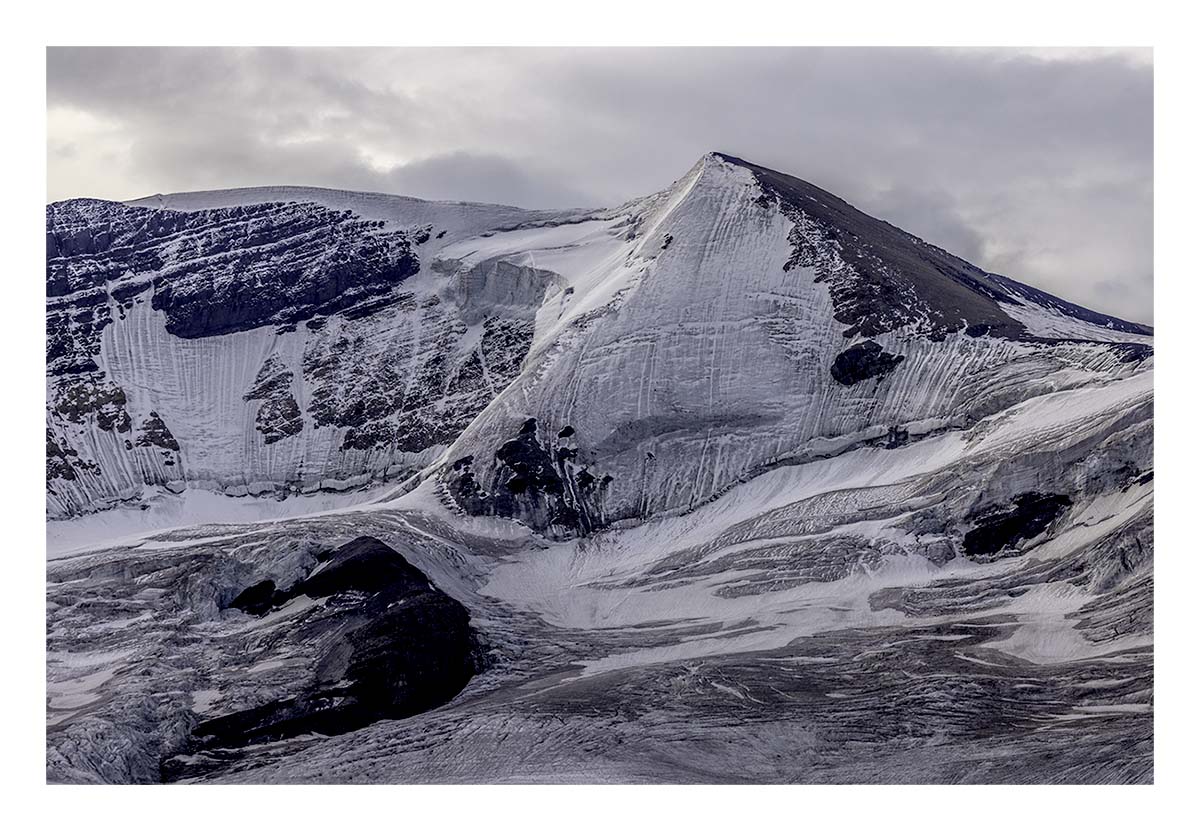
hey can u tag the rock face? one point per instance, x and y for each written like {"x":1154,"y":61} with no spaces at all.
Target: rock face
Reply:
{"x":1000,"y":529}
{"x":862,"y":361}
{"x":549,"y":487}
{"x":285,"y":347}
{"x":396,"y":646}
{"x":220,"y":271}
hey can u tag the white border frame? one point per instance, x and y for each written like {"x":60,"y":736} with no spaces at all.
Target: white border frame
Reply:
{"x":617,"y":22}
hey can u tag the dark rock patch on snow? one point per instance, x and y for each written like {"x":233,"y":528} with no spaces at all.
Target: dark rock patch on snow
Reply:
{"x":79,"y":398}
{"x":998,"y":531}
{"x":547,"y":487}
{"x":156,"y":433}
{"x":896,"y":437}
{"x":862,"y":361}
{"x":279,"y":415}
{"x":400,"y":646}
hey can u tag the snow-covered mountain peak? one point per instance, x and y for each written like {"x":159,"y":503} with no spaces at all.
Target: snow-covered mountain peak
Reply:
{"x":323,"y":341}
{"x":750,"y":320}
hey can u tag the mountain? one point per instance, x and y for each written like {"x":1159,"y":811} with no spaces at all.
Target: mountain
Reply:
{"x":732,"y":454}
{"x":264,"y":348}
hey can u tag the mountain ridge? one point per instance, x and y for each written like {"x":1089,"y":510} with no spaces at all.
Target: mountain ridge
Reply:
{"x":786,"y":185}
{"x":496,"y":289}
{"x":258,"y":194}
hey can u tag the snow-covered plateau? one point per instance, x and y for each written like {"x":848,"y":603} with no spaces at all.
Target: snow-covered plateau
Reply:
{"x":731,"y":483}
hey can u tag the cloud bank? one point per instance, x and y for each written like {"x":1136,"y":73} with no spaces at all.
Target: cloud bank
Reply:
{"x":1037,"y":164}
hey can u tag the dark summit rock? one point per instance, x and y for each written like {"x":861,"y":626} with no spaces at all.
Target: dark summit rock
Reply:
{"x":882,"y":278}
{"x":862,"y":361}
{"x":396,"y":646}
{"x":1001,"y":529}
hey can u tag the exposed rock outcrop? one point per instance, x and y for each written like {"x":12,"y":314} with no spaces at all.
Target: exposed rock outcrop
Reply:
{"x":863,"y":361}
{"x":547,"y":487}
{"x":393,"y":646}
{"x":998,"y":531}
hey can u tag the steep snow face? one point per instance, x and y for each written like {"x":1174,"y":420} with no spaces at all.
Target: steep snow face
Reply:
{"x":709,"y":345}
{"x":267,"y":348}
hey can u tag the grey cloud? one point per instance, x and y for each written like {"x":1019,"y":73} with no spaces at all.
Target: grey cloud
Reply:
{"x":932,"y":215}
{"x":1038,"y":168}
{"x":487,"y":178}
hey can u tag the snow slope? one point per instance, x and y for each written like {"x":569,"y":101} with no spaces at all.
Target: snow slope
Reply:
{"x":688,"y":358}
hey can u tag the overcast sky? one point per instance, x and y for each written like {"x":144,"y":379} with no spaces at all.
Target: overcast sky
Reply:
{"x":1035,"y":164}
